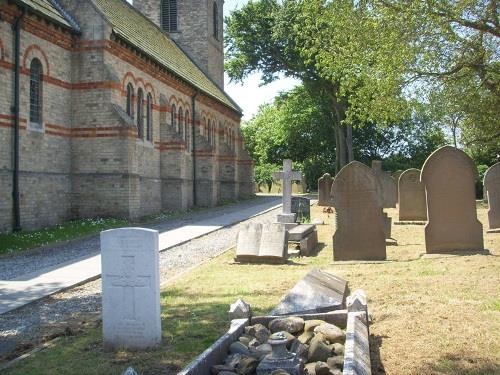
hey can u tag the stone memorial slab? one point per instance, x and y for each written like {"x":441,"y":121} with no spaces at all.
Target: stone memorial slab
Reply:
{"x":287,"y":176}
{"x":324,"y":189}
{"x":491,"y":184}
{"x":130,"y":288}
{"x":273,"y":243}
{"x":360,"y":225}
{"x":388,"y":186}
{"x":300,"y":231}
{"x":301,"y":206}
{"x":316,"y":292}
{"x":449,"y":178}
{"x":412,"y":202}
{"x":248,"y":242}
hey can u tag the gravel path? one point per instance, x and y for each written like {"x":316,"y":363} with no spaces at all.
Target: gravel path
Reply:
{"x":53,"y":315}
{"x":48,"y":256}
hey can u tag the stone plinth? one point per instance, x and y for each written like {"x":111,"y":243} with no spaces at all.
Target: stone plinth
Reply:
{"x":491,"y":184}
{"x":412,"y":202}
{"x":449,"y":178}
{"x":130,"y":288}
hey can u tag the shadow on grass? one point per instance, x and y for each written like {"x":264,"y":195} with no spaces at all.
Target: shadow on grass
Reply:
{"x":461,"y":364}
{"x":376,"y":361}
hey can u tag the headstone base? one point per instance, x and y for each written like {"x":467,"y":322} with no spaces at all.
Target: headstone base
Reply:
{"x":287,"y":226}
{"x":287,"y":218}
{"x":410,"y":222}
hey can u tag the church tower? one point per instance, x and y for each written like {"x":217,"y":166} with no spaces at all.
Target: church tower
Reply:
{"x":196,"y":26}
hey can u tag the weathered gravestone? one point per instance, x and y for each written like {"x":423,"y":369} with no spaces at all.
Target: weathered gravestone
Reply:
{"x":130,"y":288}
{"x":412,"y":205}
{"x":491,"y":184}
{"x":359,"y":220}
{"x":388,"y":187}
{"x":287,"y":176}
{"x":449,"y":178}
{"x":316,"y":292}
{"x":262,"y":243}
{"x":301,"y":206}
{"x":324,"y":188}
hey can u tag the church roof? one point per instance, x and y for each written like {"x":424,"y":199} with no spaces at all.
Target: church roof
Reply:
{"x":130,"y":25}
{"x":52,"y":10}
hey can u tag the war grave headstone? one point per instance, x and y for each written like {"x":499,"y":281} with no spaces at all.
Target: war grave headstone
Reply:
{"x":130,"y":288}
{"x":449,"y":178}
{"x":324,"y":188}
{"x":491,"y":184}
{"x":412,"y":202}
{"x":262,"y":243}
{"x":316,"y":292}
{"x":301,"y":206}
{"x":287,"y":176}
{"x":360,"y":233}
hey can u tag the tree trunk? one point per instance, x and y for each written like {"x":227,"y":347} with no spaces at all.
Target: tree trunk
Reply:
{"x":350,"y":151}
{"x":343,"y":137}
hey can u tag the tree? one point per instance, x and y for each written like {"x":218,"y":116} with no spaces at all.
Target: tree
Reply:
{"x":285,"y":37}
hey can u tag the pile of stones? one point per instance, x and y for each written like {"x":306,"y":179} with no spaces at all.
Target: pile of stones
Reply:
{"x":289,"y":345}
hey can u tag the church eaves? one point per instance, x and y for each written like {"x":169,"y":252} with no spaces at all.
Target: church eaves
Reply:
{"x":52,"y":10}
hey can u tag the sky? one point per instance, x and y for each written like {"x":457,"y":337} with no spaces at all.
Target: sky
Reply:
{"x":249,"y":95}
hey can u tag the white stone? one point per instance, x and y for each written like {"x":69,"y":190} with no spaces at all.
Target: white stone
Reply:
{"x":239,"y":310}
{"x":130,"y":288}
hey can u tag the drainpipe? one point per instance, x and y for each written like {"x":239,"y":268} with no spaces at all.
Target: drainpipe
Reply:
{"x":17,"y":88}
{"x":193,"y":146}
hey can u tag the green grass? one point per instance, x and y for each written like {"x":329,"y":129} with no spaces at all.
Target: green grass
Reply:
{"x":18,"y":241}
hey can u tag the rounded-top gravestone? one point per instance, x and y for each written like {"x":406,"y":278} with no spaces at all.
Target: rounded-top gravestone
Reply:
{"x":387,"y":185}
{"x":324,"y":188}
{"x":412,"y":205}
{"x":359,"y":219}
{"x":449,"y":178}
{"x":491,"y":184}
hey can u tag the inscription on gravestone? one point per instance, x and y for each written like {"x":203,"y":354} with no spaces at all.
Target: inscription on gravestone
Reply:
{"x":130,"y":288}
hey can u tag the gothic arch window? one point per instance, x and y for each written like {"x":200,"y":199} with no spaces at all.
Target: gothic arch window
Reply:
{"x":215,"y":21}
{"x":174,"y":117}
{"x":140,"y":113}
{"x":36,"y":92}
{"x":169,"y":15}
{"x":149,"y":118}
{"x":181,"y":122}
{"x":130,"y":100}
{"x":186,"y":128}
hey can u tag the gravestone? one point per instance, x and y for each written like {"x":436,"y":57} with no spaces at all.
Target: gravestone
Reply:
{"x":287,"y":176}
{"x":301,"y":206}
{"x":388,"y":187}
{"x":248,"y":242}
{"x":395,"y":176}
{"x":449,"y":178}
{"x":492,"y":188}
{"x":412,"y":205}
{"x":324,"y":188}
{"x":273,"y":243}
{"x":130,"y":288}
{"x":316,"y":292}
{"x":359,"y":220}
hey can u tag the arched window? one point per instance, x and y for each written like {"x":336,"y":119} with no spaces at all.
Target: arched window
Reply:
{"x":149,"y":118}
{"x":36,"y":92}
{"x":169,"y":15}
{"x":181,"y":122}
{"x":174,"y":117}
{"x":216,"y":21}
{"x":186,"y":128}
{"x":140,"y":114}
{"x":209,"y":131}
{"x":130,"y":100}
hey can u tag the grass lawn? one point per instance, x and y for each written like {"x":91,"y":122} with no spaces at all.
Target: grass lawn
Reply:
{"x":438,"y":315}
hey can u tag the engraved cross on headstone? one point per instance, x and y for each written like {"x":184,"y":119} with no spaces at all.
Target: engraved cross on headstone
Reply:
{"x":287,"y":175}
{"x":128,"y":281}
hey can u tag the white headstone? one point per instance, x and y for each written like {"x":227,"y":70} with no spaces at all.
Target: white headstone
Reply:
{"x":287,"y":175}
{"x":130,"y":288}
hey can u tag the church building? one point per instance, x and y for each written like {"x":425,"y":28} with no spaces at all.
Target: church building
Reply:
{"x":111,"y":109}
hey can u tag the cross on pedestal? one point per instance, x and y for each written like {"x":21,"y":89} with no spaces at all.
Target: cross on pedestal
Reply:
{"x":287,"y":175}
{"x":128,"y":281}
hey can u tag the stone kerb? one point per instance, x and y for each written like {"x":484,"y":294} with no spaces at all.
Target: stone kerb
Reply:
{"x":412,"y":202}
{"x":130,"y":288}
{"x":449,"y":178}
{"x":491,"y":185}
{"x":360,"y":231}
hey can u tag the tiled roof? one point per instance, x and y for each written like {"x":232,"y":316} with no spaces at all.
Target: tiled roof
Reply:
{"x":52,"y":10}
{"x":136,"y":29}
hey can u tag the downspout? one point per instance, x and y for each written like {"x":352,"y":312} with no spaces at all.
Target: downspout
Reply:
{"x":17,"y":88}
{"x":193,"y":146}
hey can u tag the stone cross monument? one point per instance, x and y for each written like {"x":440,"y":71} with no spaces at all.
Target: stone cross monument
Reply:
{"x":287,"y":175}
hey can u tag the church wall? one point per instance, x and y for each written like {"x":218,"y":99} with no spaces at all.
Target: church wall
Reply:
{"x":45,"y":182}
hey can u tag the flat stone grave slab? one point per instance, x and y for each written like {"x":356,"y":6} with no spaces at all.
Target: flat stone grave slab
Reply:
{"x":316,"y":292}
{"x":248,"y":242}
{"x":262,"y":243}
{"x":130,"y":288}
{"x":300,"y":231}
